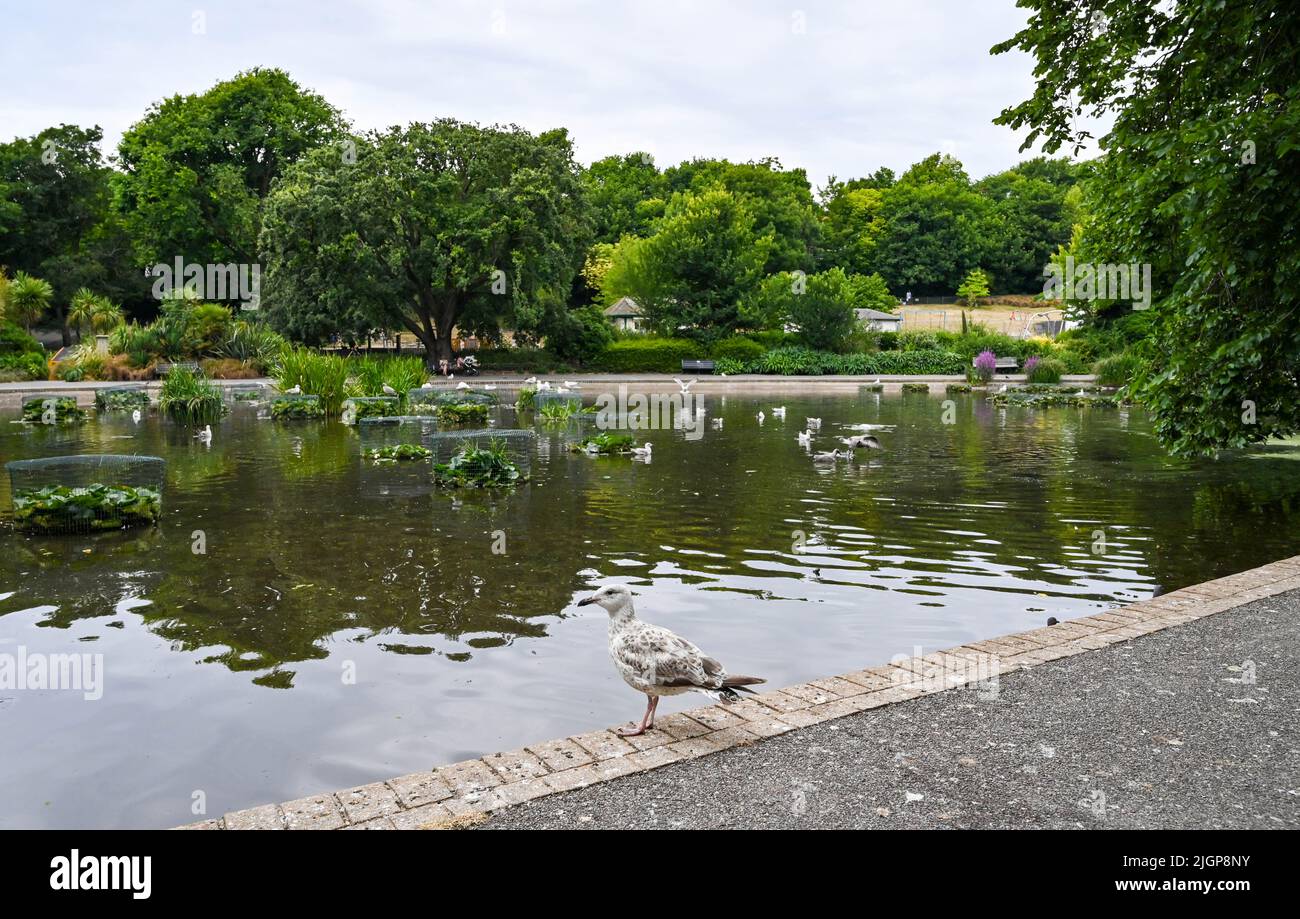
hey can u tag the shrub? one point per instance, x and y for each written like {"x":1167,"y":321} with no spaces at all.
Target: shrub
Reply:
{"x":579,"y":335}
{"x":917,"y":341}
{"x":986,"y":364}
{"x":13,"y":340}
{"x":744,"y":350}
{"x":189,"y":398}
{"x":254,"y":343}
{"x":1116,"y":370}
{"x":647,"y":355}
{"x":799,"y":361}
{"x":729,"y":366}
{"x":323,"y":375}
{"x":1043,"y":370}
{"x":228,"y":368}
{"x":26,"y":365}
{"x":527,"y":360}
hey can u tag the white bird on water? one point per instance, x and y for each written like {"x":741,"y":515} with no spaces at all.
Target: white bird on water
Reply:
{"x":136,"y":416}
{"x":1004,"y":388}
{"x":828,"y":457}
{"x":428,"y":384}
{"x":1081,"y":393}
{"x":761,"y":417}
{"x":658,"y":662}
{"x":862,"y":440}
{"x":295,"y":390}
{"x":490,"y":387}
{"x":462,"y":385}
{"x":805,"y":439}
{"x":389,"y":391}
{"x":685,"y":387}
{"x":814,"y":424}
{"x":778,"y":412}
{"x":531,"y":381}
{"x":204,"y":436}
{"x":642,"y":451}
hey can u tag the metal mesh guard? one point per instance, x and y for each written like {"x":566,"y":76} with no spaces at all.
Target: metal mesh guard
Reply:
{"x":121,"y":398}
{"x":81,"y":494}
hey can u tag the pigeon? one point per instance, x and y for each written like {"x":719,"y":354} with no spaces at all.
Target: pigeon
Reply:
{"x":658,"y":662}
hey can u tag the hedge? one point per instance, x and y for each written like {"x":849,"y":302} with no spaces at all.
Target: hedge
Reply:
{"x":798,"y":361}
{"x":744,"y":350}
{"x":647,"y":355}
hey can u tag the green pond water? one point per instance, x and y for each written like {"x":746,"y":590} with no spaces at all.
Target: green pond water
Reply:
{"x":346,"y":625}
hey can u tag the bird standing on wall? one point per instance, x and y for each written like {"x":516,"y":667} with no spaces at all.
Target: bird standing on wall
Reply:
{"x":658,"y":662}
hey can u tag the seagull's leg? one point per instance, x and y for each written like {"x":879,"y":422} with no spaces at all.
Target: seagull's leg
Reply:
{"x":644,"y":718}
{"x":654,"y":707}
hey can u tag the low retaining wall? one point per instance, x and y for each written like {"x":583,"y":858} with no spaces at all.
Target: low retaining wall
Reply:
{"x":465,"y":791}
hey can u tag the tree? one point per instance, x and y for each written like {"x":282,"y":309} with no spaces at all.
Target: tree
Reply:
{"x":1031,"y":213}
{"x":434,"y":226}
{"x":625,"y":194}
{"x":1200,"y":181}
{"x":929,"y":236}
{"x":703,"y":261}
{"x":28,"y":298}
{"x":89,"y":310}
{"x":196,"y":168}
{"x":973,"y":286}
{"x":821,"y":305}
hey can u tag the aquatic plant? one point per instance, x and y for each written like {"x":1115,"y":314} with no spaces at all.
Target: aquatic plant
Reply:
{"x":460,"y":413}
{"x":605,"y":443}
{"x":399,"y":452}
{"x":958,"y":387}
{"x":315,"y":374}
{"x":478,"y":467}
{"x":290,"y":408}
{"x":52,"y":410}
{"x":558,"y":412}
{"x":189,"y":397}
{"x":916,"y":387}
{"x":59,"y":508}
{"x":527,"y":397}
{"x":121,"y":400}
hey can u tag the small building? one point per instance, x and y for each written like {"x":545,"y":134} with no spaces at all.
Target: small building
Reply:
{"x":625,"y":315}
{"x":877,"y":321}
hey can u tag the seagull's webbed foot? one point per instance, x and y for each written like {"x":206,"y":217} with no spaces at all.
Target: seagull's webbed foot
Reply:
{"x":635,"y":732}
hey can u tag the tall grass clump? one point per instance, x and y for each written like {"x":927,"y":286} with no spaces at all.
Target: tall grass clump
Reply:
{"x":322,"y":375}
{"x":189,"y":398}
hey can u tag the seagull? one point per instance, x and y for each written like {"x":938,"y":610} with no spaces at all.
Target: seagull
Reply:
{"x":870,"y":427}
{"x":490,"y":387}
{"x":1081,"y":393}
{"x":204,"y":436}
{"x":658,"y":662}
{"x":778,"y":412}
{"x":814,"y":423}
{"x":1004,"y":388}
{"x":531,"y":381}
{"x":876,"y":382}
{"x":686,"y":386}
{"x":641,"y":451}
{"x":295,"y":391}
{"x":389,"y":391}
{"x":761,"y":417}
{"x":570,"y":385}
{"x":827,"y":457}
{"x":428,"y":384}
{"x":544,"y":386}
{"x":136,"y":416}
{"x":462,"y":385}
{"x":862,"y":440}
{"x":805,"y":439}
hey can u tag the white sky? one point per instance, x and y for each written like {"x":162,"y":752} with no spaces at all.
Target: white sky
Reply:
{"x":836,"y":87}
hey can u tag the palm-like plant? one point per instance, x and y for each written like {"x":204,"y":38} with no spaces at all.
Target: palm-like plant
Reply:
{"x":91,"y":310}
{"x":28,"y":298}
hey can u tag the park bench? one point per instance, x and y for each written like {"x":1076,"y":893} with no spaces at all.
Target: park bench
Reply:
{"x":697,"y":366}
{"x":163,"y":369}
{"x":1003,"y":365}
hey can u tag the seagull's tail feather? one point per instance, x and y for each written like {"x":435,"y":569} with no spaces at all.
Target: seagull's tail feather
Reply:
{"x":731,"y":688}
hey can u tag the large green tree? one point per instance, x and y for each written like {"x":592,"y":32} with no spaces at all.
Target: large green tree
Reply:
{"x":1200,"y":180}
{"x":196,"y":168}
{"x":433,"y":226}
{"x":626,"y":194}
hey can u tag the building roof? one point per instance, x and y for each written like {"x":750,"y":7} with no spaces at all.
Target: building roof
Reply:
{"x":624,"y":307}
{"x":877,"y":314}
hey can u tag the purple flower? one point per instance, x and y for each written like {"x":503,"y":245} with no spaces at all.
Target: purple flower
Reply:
{"x":985,"y":365}
{"x":1030,"y":365}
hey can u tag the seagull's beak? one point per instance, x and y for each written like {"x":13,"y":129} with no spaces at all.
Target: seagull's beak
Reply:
{"x":586,"y":600}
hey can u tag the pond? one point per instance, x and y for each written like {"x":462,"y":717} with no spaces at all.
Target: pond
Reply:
{"x":335,"y":631}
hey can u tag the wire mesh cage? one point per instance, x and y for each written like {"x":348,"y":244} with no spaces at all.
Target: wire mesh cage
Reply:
{"x":84,"y":494}
{"x":425,"y":400}
{"x":557,"y":397}
{"x":513,"y":447}
{"x":289,"y":407}
{"x":394,"y":461}
{"x":358,"y":407}
{"x":245,"y":392}
{"x":51,"y":408}
{"x":122,"y":398}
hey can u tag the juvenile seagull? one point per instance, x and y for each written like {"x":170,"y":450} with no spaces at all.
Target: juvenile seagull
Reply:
{"x":657,"y":662}
{"x":778,"y":412}
{"x":761,"y":417}
{"x":828,"y":457}
{"x":862,"y":440}
{"x":204,"y":436}
{"x":814,"y":424}
{"x":389,"y":391}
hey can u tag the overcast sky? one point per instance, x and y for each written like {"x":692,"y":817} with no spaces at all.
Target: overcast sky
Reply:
{"x":836,"y":87}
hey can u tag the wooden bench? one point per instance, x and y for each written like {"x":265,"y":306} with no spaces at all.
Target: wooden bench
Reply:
{"x":1003,"y":365}
{"x":163,"y":369}
{"x":697,"y":366}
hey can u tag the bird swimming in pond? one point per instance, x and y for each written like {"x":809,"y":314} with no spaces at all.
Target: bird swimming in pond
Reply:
{"x":761,"y":417}
{"x":1081,"y":393}
{"x":642,"y":451}
{"x":295,"y":390}
{"x":428,"y":384}
{"x":389,"y":391}
{"x":778,"y":412}
{"x":804,"y":439}
{"x":862,"y":440}
{"x":658,"y":662}
{"x":870,"y":427}
{"x":204,"y":436}
{"x":813,"y":423}
{"x":136,"y":416}
{"x":531,"y":381}
{"x":828,"y":457}
{"x":1004,"y":388}
{"x":569,"y":384}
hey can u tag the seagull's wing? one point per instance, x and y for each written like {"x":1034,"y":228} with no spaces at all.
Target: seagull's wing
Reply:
{"x":663,"y":658}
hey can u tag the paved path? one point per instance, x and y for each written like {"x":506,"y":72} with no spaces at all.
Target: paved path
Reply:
{"x":1157,"y":732}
